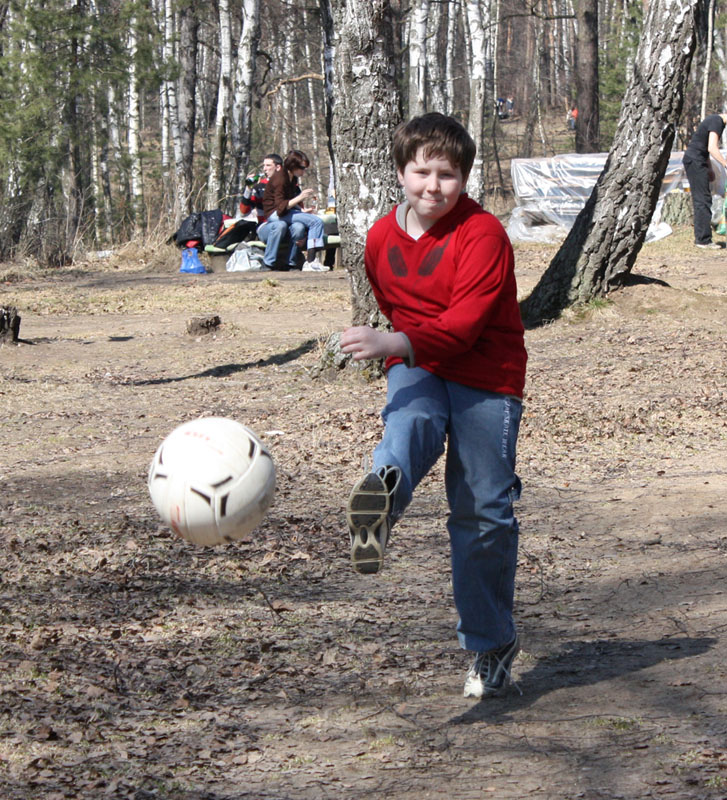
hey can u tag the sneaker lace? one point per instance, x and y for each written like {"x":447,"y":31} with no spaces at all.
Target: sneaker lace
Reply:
{"x":484,"y":666}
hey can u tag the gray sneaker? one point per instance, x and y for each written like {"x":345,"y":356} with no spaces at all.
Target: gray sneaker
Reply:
{"x":491,"y":671}
{"x":368,"y":514}
{"x":710,"y":246}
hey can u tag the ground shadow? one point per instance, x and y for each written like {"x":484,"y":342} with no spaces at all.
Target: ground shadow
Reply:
{"x":643,"y":280}
{"x":225,"y":370}
{"x":584,"y":664}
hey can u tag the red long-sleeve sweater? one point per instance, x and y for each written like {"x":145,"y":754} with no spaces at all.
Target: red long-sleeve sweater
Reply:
{"x":453,"y":293}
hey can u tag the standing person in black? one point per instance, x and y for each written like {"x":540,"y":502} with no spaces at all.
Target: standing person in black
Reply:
{"x":704,"y":143}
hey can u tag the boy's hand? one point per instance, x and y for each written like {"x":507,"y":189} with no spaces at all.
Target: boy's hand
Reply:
{"x":364,"y":342}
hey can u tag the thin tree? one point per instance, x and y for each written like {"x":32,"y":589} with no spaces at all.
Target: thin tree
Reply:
{"x":222,"y":108}
{"x":603,"y":244}
{"x":241,"y":133}
{"x":186,"y":103}
{"x":418,"y":60}
{"x":480,"y":48}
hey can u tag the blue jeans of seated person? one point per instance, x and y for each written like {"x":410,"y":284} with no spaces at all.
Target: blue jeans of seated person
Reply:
{"x":422,"y":411}
{"x":301,"y":225}
{"x":272,"y":232}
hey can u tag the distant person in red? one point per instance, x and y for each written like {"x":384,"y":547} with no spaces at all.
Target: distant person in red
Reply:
{"x":703,"y":144}
{"x":572,"y":118}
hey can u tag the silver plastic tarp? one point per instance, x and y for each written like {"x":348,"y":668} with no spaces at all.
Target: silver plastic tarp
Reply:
{"x":550,"y":192}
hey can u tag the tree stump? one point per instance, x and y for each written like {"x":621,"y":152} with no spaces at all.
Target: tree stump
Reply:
{"x":9,"y":324}
{"x":677,"y":209}
{"x":203,"y":323}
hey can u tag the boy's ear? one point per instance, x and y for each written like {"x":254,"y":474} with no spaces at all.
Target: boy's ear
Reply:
{"x":400,"y":177}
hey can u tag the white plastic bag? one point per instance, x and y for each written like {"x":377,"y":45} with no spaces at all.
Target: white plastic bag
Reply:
{"x":243,"y":260}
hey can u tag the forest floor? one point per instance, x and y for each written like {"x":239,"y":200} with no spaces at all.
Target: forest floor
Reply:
{"x":135,"y":665}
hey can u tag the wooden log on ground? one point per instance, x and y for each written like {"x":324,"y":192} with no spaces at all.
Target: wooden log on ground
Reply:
{"x":203,"y":323}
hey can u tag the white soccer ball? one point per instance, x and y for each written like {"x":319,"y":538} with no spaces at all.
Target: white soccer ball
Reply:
{"x":212,"y":480}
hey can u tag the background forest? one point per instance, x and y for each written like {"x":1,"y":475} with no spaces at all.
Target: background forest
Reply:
{"x":119,"y":118}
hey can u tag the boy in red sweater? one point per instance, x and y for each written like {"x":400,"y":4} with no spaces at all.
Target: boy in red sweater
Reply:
{"x":442,"y":271}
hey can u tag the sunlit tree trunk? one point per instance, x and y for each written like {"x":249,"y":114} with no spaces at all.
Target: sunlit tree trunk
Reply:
{"x":418,"y":15}
{"x":312,"y":64}
{"x":186,"y":104}
{"x":453,"y":12}
{"x":219,"y":135}
{"x":367,"y":108}
{"x":480,"y":105}
{"x":708,"y":57}
{"x":243,"y":92}
{"x":435,"y":54}
{"x":137,"y":197}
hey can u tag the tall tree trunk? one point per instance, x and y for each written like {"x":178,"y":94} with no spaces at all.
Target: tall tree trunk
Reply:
{"x":435,"y":54}
{"x":587,"y":134}
{"x":222,"y":115}
{"x":708,"y":57}
{"x":453,"y":13}
{"x":480,"y":102}
{"x":243,"y":92}
{"x":308,"y":25}
{"x":367,"y":109}
{"x":603,"y":244}
{"x":418,"y":57}
{"x":186,"y":103}
{"x":137,"y":198}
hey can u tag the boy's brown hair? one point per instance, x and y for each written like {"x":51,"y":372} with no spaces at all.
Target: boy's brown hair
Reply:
{"x":439,"y":135}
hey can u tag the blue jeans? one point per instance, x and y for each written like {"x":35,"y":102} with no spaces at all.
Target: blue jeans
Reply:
{"x":422,"y":411}
{"x":272,"y":232}
{"x":300,"y":224}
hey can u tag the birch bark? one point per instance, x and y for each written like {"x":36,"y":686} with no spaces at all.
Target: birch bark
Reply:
{"x":418,"y":15}
{"x":241,"y":132}
{"x":219,"y":133}
{"x":366,"y":110}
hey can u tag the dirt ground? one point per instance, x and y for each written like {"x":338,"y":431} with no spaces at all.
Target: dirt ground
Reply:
{"x":135,"y":665}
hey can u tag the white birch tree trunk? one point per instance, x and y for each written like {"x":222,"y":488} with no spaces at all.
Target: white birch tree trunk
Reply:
{"x":478,"y":23}
{"x":219,"y":136}
{"x":434,"y":53}
{"x":242,"y":97}
{"x":367,"y":109}
{"x":708,"y":58}
{"x":453,"y":14}
{"x":418,"y":57}
{"x":313,"y":108}
{"x":137,"y":197}
{"x":186,"y":106}
{"x":170,"y":87}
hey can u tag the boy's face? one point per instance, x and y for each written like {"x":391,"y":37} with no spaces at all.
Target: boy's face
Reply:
{"x":432,"y":186}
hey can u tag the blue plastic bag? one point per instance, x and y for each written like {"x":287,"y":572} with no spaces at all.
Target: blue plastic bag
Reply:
{"x":191,"y":262}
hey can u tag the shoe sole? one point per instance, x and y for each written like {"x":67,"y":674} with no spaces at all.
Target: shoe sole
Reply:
{"x":367,"y":509}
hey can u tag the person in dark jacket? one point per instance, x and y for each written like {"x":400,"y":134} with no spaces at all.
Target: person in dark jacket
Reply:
{"x":703,"y":145}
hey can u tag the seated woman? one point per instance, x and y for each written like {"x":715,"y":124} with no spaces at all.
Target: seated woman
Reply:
{"x":282,"y":204}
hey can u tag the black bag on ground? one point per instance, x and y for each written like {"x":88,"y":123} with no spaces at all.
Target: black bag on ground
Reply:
{"x":201,"y":226}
